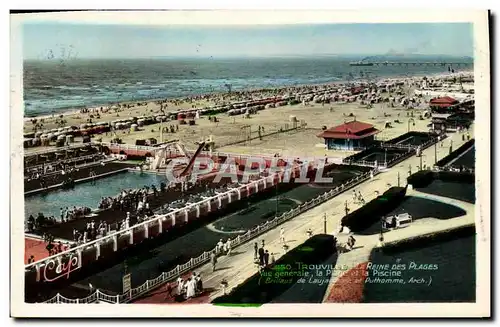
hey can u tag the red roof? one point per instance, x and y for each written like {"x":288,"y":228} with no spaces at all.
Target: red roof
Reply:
{"x":443,"y":100}
{"x":350,"y":130}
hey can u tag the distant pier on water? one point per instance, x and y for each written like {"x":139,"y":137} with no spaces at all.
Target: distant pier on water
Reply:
{"x":409,"y":63}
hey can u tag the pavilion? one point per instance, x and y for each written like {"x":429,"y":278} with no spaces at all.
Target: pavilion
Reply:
{"x":443,"y":103}
{"x":353,"y":135}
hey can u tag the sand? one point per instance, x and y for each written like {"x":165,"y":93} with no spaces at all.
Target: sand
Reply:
{"x":235,"y":128}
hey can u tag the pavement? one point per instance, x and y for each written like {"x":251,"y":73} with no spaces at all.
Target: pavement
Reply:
{"x":239,"y":266}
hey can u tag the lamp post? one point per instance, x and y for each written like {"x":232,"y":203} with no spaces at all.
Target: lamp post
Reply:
{"x":410,"y":120}
{"x":421,"y":155}
{"x":324,"y":222}
{"x":381,"y":237}
{"x":435,"y":153}
{"x":161,"y":130}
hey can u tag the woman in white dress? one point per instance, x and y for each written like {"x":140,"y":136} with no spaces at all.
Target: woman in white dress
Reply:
{"x":180,"y":285}
{"x":191,"y":288}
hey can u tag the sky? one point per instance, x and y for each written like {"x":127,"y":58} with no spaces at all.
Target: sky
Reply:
{"x":42,"y":40}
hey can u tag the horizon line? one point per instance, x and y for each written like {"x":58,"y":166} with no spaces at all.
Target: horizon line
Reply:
{"x":280,"y":56}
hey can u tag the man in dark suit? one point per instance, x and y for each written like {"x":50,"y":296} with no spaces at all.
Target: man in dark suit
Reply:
{"x":261,"y":256}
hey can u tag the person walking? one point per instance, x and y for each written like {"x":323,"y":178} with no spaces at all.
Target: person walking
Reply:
{"x":255,"y":251}
{"x":213,"y":260}
{"x":282,"y":235}
{"x":228,"y":246}
{"x":266,"y":258}
{"x":261,"y":256}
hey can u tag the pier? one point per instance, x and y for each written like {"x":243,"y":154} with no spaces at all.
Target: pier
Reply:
{"x":421,"y":63}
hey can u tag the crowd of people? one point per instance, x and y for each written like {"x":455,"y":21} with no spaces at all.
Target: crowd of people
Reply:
{"x":135,"y":200}
{"x":90,"y":232}
{"x":261,"y":256}
{"x":53,"y":247}
{"x":187,"y":288}
{"x":67,"y":214}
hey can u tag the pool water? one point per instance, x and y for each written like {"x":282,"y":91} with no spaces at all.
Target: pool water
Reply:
{"x":88,"y":194}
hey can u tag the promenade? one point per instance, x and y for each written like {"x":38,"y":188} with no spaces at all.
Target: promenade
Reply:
{"x":239,"y":266}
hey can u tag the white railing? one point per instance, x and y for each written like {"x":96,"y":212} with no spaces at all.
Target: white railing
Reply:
{"x":63,"y":148}
{"x":143,"y":224}
{"x":399,"y":146}
{"x":96,"y":156}
{"x":205,"y":257}
{"x":363,"y":163}
{"x":126,"y":146}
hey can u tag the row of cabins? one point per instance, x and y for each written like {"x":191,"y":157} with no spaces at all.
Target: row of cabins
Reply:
{"x":449,"y":114}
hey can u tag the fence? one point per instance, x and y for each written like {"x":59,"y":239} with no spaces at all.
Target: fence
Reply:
{"x":398,"y":146}
{"x":92,"y":158}
{"x":125,"y":146}
{"x":63,"y":148}
{"x":164,"y":277}
{"x":144,"y":225}
{"x":251,"y":137}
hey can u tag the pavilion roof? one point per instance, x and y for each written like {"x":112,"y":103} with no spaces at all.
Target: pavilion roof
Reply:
{"x":350,"y":130}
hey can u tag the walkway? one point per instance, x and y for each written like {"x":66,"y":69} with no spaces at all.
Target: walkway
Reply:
{"x":239,"y":266}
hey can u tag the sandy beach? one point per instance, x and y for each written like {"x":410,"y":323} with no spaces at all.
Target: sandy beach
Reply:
{"x":311,"y":116}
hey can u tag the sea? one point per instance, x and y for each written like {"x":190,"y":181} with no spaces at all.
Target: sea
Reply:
{"x":56,"y":86}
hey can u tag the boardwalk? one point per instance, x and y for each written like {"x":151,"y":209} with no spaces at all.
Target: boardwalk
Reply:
{"x":239,"y":266}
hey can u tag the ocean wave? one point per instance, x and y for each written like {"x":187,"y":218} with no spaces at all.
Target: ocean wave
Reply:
{"x":75,"y":88}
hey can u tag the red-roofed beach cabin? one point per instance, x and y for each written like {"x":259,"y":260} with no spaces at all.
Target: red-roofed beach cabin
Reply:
{"x":443,"y":102}
{"x":353,"y":135}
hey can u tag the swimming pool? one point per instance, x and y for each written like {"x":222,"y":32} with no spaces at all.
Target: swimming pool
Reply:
{"x":88,"y":194}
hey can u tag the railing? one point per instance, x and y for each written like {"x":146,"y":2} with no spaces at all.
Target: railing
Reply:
{"x":363,"y":163}
{"x":205,"y":257}
{"x":125,"y":146}
{"x":63,"y":148}
{"x":145,"y":224}
{"x":64,"y":161}
{"x":399,"y":146}
{"x":255,"y":137}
